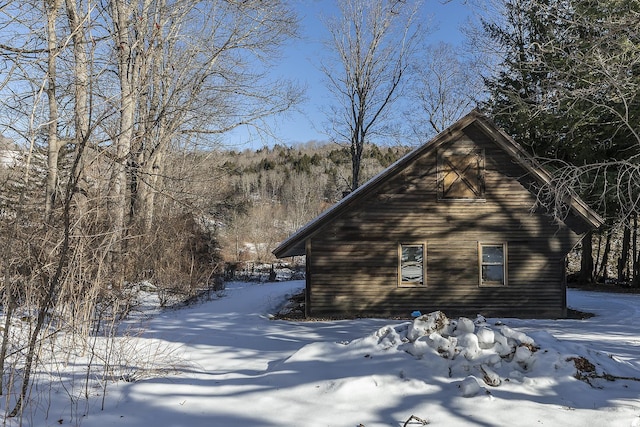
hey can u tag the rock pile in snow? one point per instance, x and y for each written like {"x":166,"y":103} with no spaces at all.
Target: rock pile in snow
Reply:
{"x":484,"y":355}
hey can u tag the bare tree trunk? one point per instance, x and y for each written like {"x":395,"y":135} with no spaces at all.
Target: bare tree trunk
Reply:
{"x":153,"y":173}
{"x":635,"y":281}
{"x":596,"y":265}
{"x":79,"y":296}
{"x":82,"y":114}
{"x":154,"y":141}
{"x":603,"y":270}
{"x":9,"y":306}
{"x":128,"y":58}
{"x":52,"y":8}
{"x":586,"y":261}
{"x":624,"y":254}
{"x":356,"y":161}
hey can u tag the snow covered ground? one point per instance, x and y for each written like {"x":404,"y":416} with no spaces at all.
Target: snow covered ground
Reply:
{"x":227,"y":363}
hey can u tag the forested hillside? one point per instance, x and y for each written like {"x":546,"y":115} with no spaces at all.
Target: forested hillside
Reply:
{"x":271,"y":192}
{"x":236,"y":205}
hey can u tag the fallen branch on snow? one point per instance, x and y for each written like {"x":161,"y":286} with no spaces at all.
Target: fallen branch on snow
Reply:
{"x":418,"y":419}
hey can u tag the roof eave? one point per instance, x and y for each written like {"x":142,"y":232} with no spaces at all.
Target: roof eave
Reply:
{"x":284,"y":250}
{"x":578,"y":206}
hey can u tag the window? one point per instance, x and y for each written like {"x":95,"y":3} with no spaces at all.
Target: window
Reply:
{"x":461,"y":174}
{"x":493,"y":264}
{"x":411,"y":265}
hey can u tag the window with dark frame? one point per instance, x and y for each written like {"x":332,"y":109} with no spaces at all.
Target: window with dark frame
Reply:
{"x":461,"y":174}
{"x":493,"y":264}
{"x":411,"y":264}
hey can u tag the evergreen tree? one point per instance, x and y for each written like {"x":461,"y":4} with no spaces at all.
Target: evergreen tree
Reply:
{"x":568,"y":90}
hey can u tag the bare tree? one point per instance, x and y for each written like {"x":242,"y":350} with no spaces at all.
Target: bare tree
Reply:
{"x":129,"y":85}
{"x":446,"y":87}
{"x":52,"y":10}
{"x":373,"y":42}
{"x":189,"y":72}
{"x":302,"y":197}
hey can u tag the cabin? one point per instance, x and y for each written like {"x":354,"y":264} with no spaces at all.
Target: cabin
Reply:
{"x":455,"y":225}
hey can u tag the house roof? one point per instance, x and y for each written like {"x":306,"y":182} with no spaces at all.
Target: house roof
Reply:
{"x":295,"y":244}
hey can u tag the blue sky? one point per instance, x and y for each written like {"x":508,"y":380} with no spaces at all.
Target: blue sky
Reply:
{"x":301,"y":60}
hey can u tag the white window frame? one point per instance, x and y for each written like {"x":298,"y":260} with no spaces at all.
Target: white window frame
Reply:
{"x":412,"y":284}
{"x":482,"y":263}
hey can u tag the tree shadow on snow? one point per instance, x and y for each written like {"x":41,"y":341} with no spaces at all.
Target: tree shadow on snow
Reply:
{"x":305,"y":373}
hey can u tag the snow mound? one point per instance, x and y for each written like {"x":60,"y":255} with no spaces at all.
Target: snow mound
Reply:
{"x":478,"y":356}
{"x":470,"y":387}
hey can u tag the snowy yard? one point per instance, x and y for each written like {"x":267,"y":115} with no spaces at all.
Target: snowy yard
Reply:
{"x":232,"y":365}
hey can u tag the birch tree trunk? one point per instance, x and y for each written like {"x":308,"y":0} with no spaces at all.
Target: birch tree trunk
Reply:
{"x":53,"y":146}
{"x":125,"y":28}
{"x":82,"y":114}
{"x":52,"y":9}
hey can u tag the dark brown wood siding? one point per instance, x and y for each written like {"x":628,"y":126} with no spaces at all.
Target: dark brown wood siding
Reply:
{"x":354,"y":259}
